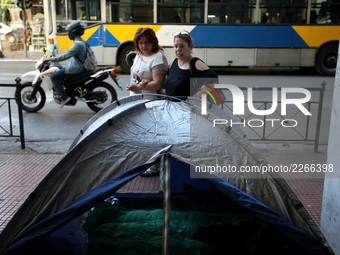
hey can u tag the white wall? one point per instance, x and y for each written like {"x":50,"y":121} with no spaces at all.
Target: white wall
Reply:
{"x":330,"y":213}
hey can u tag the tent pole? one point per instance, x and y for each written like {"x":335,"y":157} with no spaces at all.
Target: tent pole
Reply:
{"x":166,"y":203}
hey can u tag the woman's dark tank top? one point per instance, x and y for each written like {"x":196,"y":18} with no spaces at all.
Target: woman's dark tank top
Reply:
{"x":177,"y":82}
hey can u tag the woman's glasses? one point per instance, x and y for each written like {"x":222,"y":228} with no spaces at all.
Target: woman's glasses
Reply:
{"x":179,"y":33}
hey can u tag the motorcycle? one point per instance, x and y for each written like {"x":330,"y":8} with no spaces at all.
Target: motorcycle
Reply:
{"x":88,"y":87}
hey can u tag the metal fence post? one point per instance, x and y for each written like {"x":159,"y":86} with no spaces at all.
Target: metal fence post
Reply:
{"x":318,"y":124}
{"x":166,"y":204}
{"x":21,"y":119}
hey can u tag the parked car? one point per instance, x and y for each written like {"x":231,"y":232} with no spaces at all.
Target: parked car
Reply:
{"x":7,"y":31}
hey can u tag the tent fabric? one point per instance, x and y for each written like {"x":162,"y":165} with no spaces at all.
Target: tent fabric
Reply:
{"x":37,"y":238}
{"x":135,"y":131}
{"x":42,"y":229}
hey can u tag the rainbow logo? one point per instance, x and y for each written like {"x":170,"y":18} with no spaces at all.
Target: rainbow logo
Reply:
{"x":215,"y":92}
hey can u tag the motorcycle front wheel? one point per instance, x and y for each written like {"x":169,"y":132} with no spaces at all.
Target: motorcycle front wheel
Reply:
{"x":29,"y":103}
{"x":104,"y":94}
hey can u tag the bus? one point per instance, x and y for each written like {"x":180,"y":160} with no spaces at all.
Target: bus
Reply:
{"x":226,"y":33}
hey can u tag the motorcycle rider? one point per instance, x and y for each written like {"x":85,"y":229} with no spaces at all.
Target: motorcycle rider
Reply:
{"x":74,"y":66}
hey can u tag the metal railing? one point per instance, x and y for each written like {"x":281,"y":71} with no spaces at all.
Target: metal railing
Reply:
{"x":9,"y":132}
{"x":267,"y":129}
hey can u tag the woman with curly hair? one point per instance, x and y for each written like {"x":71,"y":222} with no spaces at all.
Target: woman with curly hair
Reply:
{"x":150,"y":64}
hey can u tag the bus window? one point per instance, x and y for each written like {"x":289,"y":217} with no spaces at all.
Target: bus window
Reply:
{"x":112,"y":11}
{"x":218,"y":14}
{"x":295,"y":12}
{"x":234,"y":13}
{"x":129,"y":11}
{"x":180,"y":12}
{"x":60,"y":10}
{"x":50,"y":21}
{"x":84,"y":10}
{"x":231,"y":11}
{"x":285,"y":13}
{"x":326,"y":13}
{"x":88,"y":11}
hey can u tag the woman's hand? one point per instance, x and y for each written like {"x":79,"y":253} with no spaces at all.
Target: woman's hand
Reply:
{"x":143,"y":83}
{"x":155,"y":83}
{"x":133,"y":87}
{"x":150,"y":85}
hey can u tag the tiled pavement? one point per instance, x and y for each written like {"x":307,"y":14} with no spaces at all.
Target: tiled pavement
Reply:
{"x":307,"y":186}
{"x":20,"y":173}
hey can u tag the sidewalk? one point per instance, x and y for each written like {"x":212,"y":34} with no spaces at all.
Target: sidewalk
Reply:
{"x":21,"y":55}
{"x":22,"y":170}
{"x":33,"y":57}
{"x":307,"y":186}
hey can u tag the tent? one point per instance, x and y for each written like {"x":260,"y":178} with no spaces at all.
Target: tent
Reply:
{"x":122,"y":141}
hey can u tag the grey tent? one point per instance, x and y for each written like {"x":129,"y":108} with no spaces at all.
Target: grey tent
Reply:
{"x":125,"y":138}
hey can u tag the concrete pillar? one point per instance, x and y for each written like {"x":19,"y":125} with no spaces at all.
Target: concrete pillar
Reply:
{"x":330,"y":212}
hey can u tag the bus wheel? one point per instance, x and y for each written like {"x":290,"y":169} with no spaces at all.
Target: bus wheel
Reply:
{"x":126,"y":57}
{"x":326,"y":60}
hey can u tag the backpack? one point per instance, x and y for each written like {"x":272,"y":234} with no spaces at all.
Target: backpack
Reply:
{"x":90,"y":62}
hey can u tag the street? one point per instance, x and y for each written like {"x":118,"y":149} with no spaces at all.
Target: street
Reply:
{"x":52,"y":125}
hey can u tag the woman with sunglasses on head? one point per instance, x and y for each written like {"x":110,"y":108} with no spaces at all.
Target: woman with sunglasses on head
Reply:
{"x":184,"y":67}
{"x":150,"y":65}
{"x":177,"y":82}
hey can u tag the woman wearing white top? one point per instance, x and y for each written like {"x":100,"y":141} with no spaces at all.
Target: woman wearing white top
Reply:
{"x":147,"y":72}
{"x":150,"y":65}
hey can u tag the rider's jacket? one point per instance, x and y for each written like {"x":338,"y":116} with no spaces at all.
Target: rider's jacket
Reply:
{"x":74,"y":66}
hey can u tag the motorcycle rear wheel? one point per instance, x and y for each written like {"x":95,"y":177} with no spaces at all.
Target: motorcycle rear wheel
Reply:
{"x":107,"y":96}
{"x":31,"y":104}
